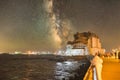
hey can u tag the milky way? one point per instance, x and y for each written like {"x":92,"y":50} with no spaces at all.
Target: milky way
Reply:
{"x":24,"y":24}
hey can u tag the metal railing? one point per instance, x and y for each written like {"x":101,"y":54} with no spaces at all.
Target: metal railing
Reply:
{"x":90,"y":74}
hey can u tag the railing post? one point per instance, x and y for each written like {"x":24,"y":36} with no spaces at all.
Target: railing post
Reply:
{"x":94,"y":73}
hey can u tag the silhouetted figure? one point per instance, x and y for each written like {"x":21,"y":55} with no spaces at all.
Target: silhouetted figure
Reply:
{"x":118,"y":55}
{"x":115,"y":54}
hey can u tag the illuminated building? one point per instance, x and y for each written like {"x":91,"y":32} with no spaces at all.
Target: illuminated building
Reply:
{"x":84,"y":43}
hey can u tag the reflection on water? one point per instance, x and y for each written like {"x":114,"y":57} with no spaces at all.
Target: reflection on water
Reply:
{"x":48,"y":68}
{"x":69,"y":70}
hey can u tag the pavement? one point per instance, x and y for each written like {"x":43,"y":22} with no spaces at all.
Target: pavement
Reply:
{"x":111,"y":69}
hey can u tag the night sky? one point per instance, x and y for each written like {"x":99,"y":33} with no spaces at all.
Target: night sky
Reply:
{"x":23,"y":23}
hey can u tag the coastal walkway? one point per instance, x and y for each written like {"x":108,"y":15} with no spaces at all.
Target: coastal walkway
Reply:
{"x":111,"y":69}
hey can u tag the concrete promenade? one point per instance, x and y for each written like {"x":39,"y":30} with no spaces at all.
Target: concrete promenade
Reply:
{"x":111,"y":69}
